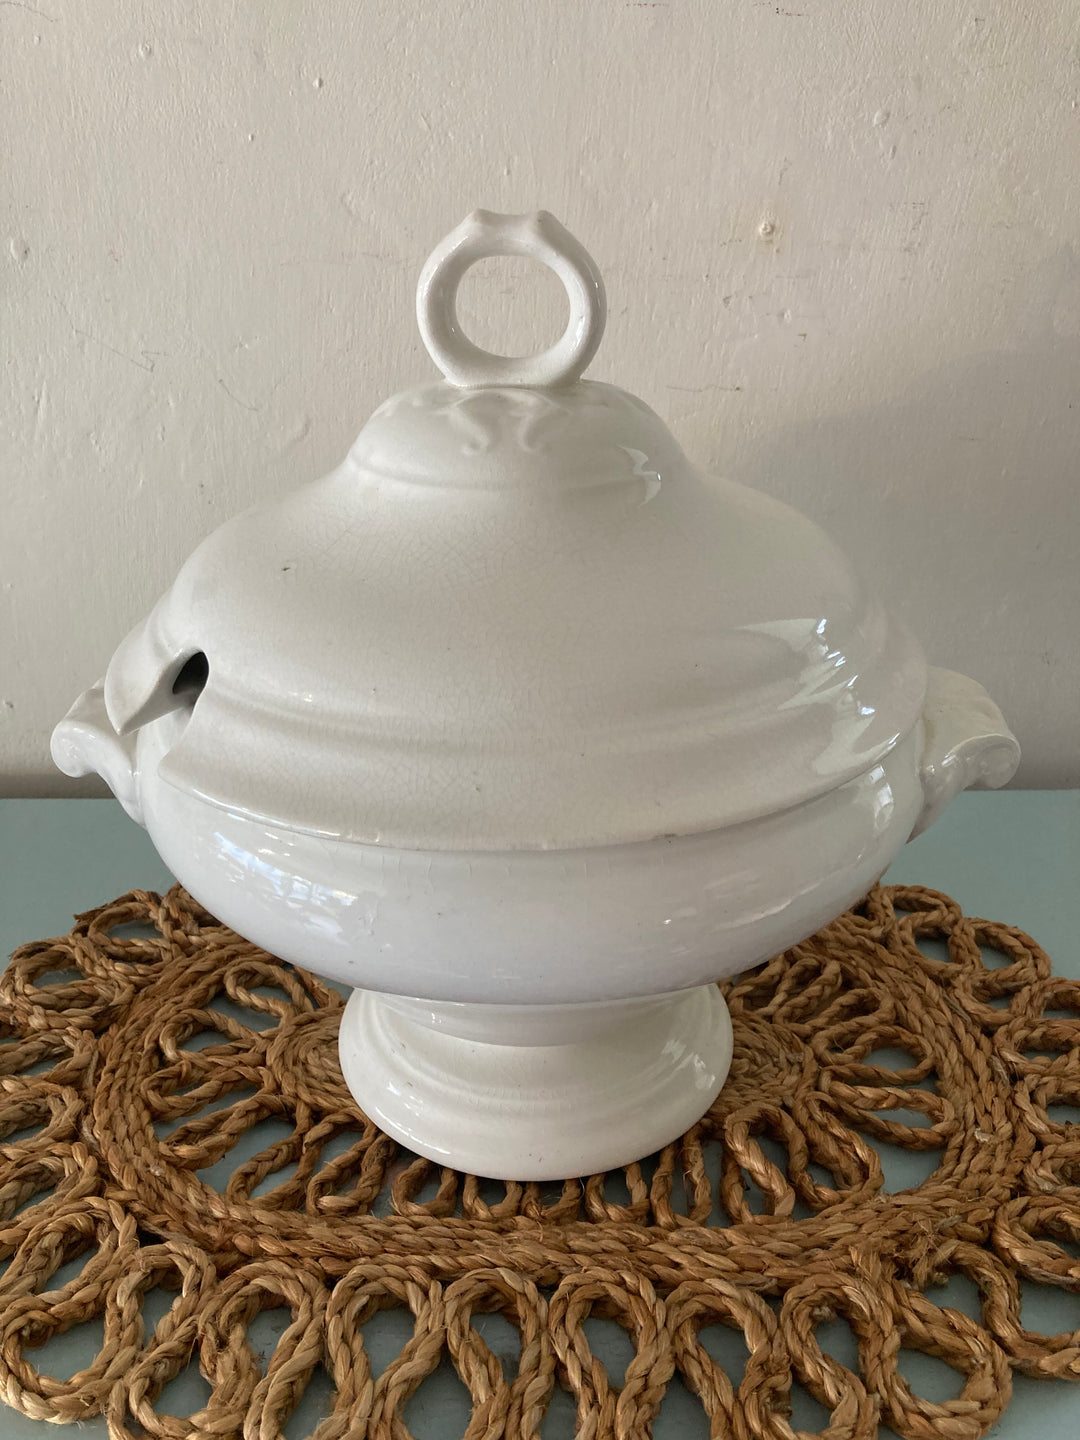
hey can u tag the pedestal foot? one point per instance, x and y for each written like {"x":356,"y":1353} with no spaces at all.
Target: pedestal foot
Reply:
{"x":635,"y":1076}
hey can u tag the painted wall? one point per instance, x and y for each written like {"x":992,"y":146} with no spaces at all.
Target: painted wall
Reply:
{"x":841,"y":243}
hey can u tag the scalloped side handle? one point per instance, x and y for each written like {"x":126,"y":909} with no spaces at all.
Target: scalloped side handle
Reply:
{"x":85,"y":743}
{"x":966,"y":744}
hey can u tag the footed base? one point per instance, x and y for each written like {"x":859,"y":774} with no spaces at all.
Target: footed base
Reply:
{"x":633,"y":1076}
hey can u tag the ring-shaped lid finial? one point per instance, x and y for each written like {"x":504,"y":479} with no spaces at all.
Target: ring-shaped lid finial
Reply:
{"x":538,"y":236}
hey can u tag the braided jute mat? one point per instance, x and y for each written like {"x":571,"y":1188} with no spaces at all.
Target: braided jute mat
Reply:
{"x":125,"y":1080}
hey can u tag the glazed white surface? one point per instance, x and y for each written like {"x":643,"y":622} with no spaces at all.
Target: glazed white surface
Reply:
{"x":518,"y":618}
{"x":748,"y":741}
{"x":543,"y":1111}
{"x":841,"y":245}
{"x":538,"y":701}
{"x":534,"y":927}
{"x":435,"y":667}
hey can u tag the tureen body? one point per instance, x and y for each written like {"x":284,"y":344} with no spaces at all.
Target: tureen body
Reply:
{"x":529,"y":732}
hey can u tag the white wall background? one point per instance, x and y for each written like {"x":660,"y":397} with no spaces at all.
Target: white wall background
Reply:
{"x":841,"y":243}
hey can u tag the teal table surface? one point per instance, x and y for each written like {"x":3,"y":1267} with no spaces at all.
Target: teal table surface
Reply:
{"x":1013,"y":856}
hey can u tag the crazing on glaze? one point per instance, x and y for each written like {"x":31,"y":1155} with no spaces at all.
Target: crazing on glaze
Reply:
{"x":529,"y":732}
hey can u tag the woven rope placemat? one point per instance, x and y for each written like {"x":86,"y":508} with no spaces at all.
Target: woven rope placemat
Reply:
{"x":770,"y":1216}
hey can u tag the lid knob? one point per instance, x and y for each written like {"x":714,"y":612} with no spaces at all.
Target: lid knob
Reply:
{"x":539,"y":237}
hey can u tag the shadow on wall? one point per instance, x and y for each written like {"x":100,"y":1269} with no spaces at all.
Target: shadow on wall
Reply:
{"x":960,"y":502}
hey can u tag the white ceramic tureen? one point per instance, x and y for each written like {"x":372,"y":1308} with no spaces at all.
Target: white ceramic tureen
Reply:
{"x":529,"y":731}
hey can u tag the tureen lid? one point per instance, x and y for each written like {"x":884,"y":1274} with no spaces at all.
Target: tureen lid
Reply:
{"x":515,"y":617}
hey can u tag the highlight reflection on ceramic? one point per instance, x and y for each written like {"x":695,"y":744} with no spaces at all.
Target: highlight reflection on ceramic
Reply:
{"x":534,"y":927}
